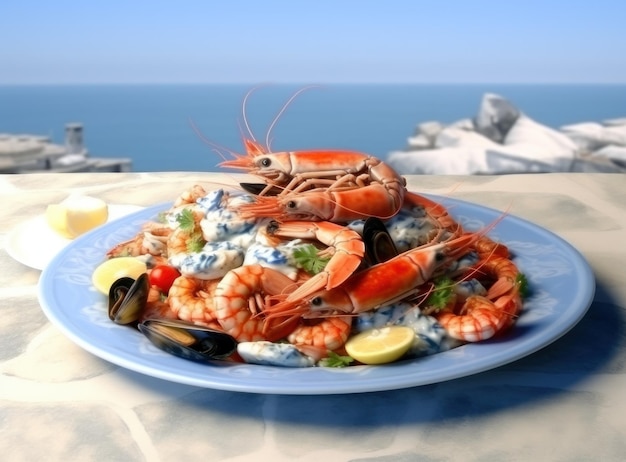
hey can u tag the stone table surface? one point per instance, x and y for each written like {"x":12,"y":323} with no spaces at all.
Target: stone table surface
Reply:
{"x":565,"y":402}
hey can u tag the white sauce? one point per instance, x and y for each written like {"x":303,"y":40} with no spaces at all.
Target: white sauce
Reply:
{"x":273,"y":354}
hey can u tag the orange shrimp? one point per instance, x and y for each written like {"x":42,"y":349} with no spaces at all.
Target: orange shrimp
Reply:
{"x":436,"y":211}
{"x":157,"y":306}
{"x":487,"y":247}
{"x":345,"y":247}
{"x":327,"y":185}
{"x":188,"y":231}
{"x":241,"y":296}
{"x":480,"y":318}
{"x":190,"y":196}
{"x":192,"y":300}
{"x":151,"y":240}
{"x":327,"y":334}
{"x":378,"y":285}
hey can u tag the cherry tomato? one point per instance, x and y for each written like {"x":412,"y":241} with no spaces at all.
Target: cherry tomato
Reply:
{"x":163,"y":277}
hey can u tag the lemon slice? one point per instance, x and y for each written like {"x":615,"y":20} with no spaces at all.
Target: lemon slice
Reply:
{"x":111,"y":270}
{"x":76,"y":215}
{"x":380,"y":346}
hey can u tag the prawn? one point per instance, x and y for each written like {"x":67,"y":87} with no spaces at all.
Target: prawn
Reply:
{"x":327,"y":185}
{"x":482,"y":317}
{"x":435,"y":211}
{"x":191,"y":299}
{"x":486,"y":247}
{"x":151,"y":240}
{"x":242,"y":295}
{"x":190,"y":196}
{"x":346,"y":248}
{"x":315,"y":337}
{"x":157,"y":306}
{"x":379,"y":285}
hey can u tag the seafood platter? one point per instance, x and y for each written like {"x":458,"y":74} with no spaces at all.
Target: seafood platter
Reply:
{"x":326,"y":276}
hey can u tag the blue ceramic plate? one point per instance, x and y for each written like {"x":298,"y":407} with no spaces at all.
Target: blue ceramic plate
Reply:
{"x":562,"y":289}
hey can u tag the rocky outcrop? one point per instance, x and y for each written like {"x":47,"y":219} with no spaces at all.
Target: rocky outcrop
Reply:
{"x":502,"y":139}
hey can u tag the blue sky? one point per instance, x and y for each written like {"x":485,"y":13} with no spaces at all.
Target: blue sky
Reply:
{"x":322,"y":41}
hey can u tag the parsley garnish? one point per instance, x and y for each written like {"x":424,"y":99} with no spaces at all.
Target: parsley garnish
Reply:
{"x":522,"y":282}
{"x":307,"y":258}
{"x":186,"y":220}
{"x":335,"y":360}
{"x":195,"y":243}
{"x":442,"y":293}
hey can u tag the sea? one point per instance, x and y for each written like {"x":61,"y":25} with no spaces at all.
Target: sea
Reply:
{"x":194,"y":127}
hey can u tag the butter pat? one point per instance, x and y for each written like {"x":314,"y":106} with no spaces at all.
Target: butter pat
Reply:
{"x":76,"y":215}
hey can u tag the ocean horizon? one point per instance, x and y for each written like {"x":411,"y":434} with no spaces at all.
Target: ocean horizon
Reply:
{"x":188,"y":127}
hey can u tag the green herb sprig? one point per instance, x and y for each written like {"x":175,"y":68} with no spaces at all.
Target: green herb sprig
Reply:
{"x":336,"y":360}
{"x":308,"y":259}
{"x":441,"y":294}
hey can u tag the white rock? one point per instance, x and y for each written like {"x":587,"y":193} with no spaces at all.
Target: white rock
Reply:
{"x":419,"y":142}
{"x":590,"y":164}
{"x":540,"y":143}
{"x":613,"y":122}
{"x":526,"y":158}
{"x":616,"y":153}
{"x":495,"y":117}
{"x":591,"y":136}
{"x":617,"y":134}
{"x":429,"y":129}
{"x":445,"y":161}
{"x":463,"y":124}
{"x":457,"y":137}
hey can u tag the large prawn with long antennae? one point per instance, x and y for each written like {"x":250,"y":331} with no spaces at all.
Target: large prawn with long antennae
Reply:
{"x":319,"y":184}
{"x":379,"y":285}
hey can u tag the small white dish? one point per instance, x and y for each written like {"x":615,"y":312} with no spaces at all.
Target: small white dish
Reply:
{"x":34,"y":244}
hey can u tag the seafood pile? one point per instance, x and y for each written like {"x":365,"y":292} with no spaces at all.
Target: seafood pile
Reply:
{"x":328,"y":245}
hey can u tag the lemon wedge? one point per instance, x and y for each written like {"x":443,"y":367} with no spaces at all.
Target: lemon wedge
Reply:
{"x":76,"y":215}
{"x":380,"y":346}
{"x":111,"y":270}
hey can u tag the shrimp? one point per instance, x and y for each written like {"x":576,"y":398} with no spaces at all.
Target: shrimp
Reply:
{"x":379,"y":285}
{"x":192,"y":300}
{"x":436,"y":211}
{"x":240,"y":298}
{"x":190,"y":196}
{"x":327,"y":334}
{"x":482,"y":317}
{"x":188,"y":234}
{"x":336,"y":186}
{"x":151,"y":240}
{"x":486,"y":247}
{"x":157,"y":306}
{"x":345,"y":245}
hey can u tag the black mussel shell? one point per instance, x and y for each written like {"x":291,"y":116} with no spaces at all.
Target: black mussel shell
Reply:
{"x":257,"y":188}
{"x":379,"y":246}
{"x":187,"y":340}
{"x":127,"y":299}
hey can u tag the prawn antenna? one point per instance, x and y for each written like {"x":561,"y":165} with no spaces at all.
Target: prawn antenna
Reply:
{"x":283,"y":109}
{"x":244,"y":114}
{"x":215,"y":147}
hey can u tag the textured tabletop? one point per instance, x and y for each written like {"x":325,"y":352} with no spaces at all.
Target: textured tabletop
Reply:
{"x":564,"y":402}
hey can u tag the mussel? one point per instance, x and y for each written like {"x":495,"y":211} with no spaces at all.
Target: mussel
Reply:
{"x":379,"y":246}
{"x":127,"y":299}
{"x":187,"y":340}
